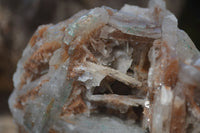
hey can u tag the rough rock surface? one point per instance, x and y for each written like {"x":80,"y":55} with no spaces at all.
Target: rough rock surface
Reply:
{"x":105,"y":71}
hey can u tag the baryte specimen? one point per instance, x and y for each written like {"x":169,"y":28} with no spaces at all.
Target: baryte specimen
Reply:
{"x":104,"y":71}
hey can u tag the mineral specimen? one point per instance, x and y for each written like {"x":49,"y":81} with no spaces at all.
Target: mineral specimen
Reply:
{"x":104,"y":71}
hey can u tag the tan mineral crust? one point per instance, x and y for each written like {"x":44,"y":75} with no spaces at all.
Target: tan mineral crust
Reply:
{"x":109,"y":71}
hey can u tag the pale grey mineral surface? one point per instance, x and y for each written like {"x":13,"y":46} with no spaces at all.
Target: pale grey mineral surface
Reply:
{"x":109,"y":71}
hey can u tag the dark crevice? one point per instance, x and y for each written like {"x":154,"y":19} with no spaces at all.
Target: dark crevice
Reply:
{"x":190,"y":128}
{"x":120,"y":88}
{"x":196,"y":97}
{"x":109,"y":85}
{"x":130,"y":114}
{"x":139,"y":113}
{"x":134,"y":114}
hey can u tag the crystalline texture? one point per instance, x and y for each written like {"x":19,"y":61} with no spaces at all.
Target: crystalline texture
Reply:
{"x":104,"y":70}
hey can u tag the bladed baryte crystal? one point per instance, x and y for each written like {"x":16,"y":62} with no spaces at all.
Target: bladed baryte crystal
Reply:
{"x":109,"y":71}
